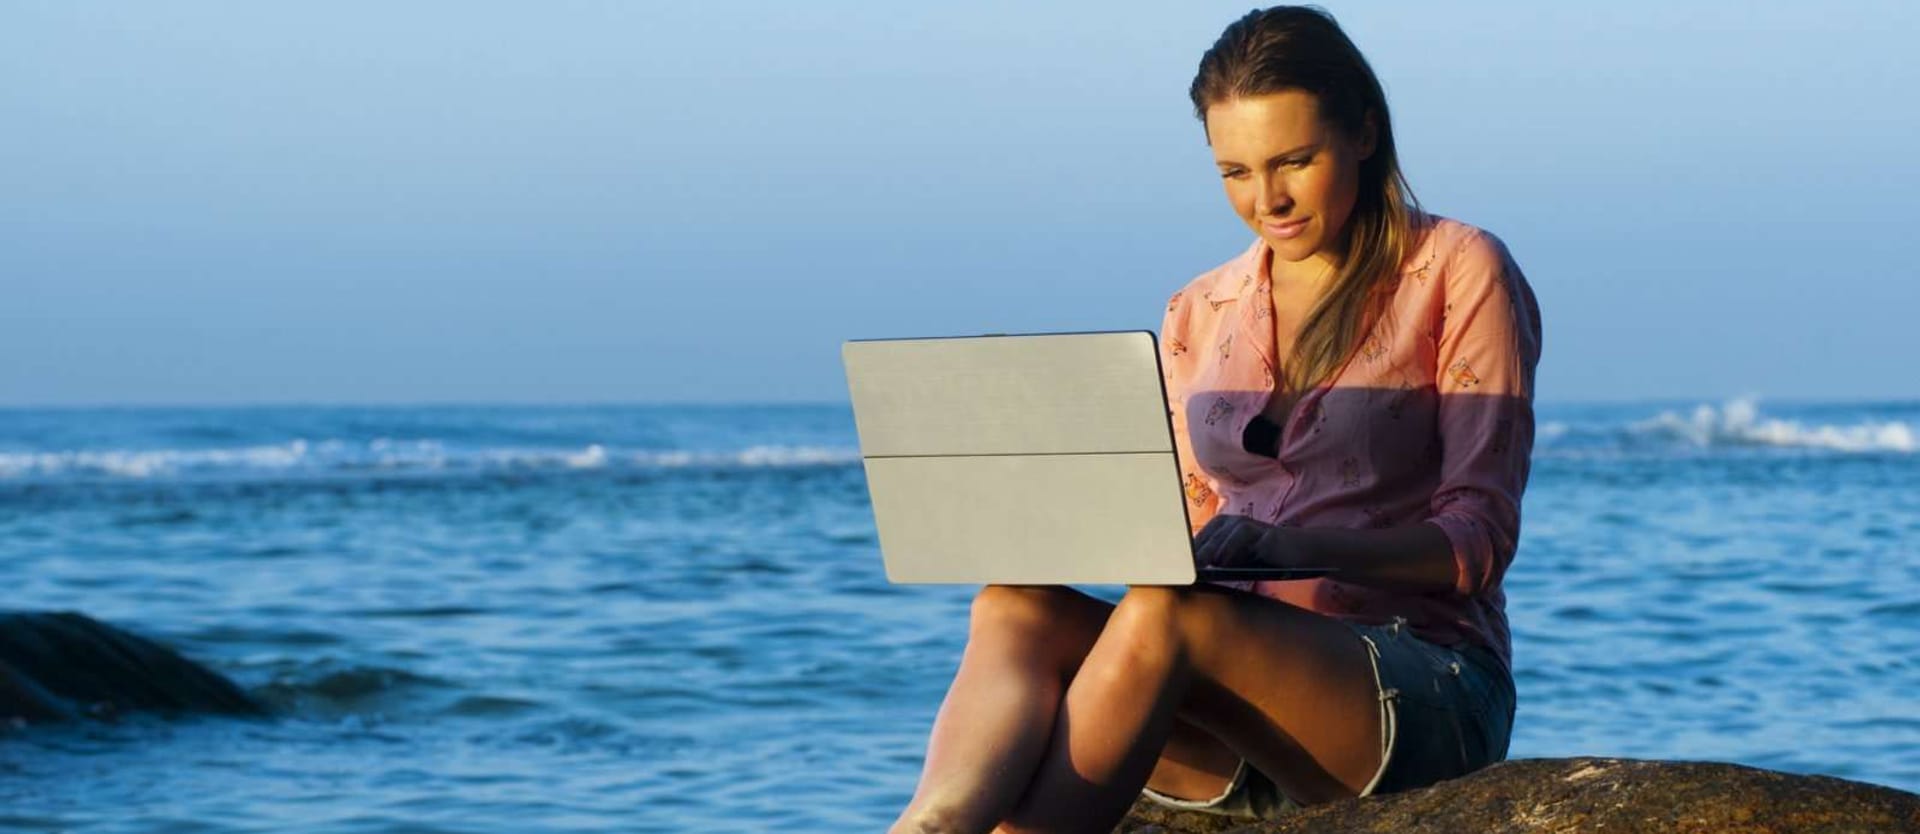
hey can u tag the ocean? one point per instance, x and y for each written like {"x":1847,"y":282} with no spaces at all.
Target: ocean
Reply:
{"x":674,"y":618}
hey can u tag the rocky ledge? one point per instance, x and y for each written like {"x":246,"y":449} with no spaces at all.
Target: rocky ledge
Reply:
{"x":1582,"y":795}
{"x":65,"y":666}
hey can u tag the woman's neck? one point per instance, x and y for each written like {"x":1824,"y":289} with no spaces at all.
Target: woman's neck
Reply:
{"x":1313,"y":273}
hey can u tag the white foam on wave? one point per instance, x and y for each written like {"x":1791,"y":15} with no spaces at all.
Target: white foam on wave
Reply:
{"x":1738,"y":423}
{"x":592,"y":457}
{"x":796,"y":456}
{"x":754,"y":457}
{"x":391,"y":455}
{"x":144,"y":463}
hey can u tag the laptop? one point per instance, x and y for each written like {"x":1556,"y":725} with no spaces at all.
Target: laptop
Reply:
{"x":1039,"y":459}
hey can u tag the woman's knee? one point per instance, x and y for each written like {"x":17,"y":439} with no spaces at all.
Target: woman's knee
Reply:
{"x":1156,"y":618}
{"x":1160,"y":607}
{"x":1056,"y":626}
{"x":1019,"y":608}
{"x":1173,"y":618}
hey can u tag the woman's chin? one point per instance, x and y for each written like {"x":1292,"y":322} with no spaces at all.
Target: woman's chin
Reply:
{"x":1291,"y":250}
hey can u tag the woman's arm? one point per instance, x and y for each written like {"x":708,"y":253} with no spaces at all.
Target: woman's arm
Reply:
{"x":1412,"y":557}
{"x":1488,"y":350}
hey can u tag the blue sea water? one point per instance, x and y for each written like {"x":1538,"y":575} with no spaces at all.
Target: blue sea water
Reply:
{"x":485,"y":619}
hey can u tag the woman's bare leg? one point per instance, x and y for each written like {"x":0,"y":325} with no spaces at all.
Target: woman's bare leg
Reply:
{"x":1292,"y":691}
{"x":1023,"y":645}
{"x":1193,"y":764}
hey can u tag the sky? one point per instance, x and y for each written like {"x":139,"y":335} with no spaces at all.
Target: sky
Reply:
{"x":573,"y":202}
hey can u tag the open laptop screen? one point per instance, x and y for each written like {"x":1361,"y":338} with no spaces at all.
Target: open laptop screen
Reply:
{"x":1029,"y":459}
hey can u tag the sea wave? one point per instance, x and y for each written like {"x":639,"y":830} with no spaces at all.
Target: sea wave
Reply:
{"x":386,"y":455}
{"x":1738,"y":423}
{"x":1734,"y":425}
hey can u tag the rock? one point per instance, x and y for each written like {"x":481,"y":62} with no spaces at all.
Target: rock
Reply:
{"x":1581,"y":795}
{"x":67,"y":666}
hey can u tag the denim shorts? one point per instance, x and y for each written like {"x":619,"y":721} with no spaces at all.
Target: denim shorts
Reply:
{"x":1444,"y":712}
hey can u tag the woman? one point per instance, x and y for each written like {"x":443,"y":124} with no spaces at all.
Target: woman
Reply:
{"x":1353,"y":390}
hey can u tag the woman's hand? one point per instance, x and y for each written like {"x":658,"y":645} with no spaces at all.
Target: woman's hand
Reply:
{"x":1236,"y":541}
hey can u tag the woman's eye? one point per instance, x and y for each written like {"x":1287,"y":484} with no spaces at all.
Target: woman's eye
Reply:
{"x":1233,"y":174}
{"x":1297,"y":163}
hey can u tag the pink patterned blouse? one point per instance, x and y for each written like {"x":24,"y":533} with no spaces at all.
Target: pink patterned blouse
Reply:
{"x":1431,"y":420}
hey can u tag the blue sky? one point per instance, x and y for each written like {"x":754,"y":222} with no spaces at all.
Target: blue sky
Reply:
{"x":591,"y":202}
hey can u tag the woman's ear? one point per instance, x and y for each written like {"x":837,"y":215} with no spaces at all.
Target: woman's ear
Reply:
{"x":1369,"y":136}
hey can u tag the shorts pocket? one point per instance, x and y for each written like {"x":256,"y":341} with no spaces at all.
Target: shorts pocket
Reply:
{"x":1451,"y":717}
{"x":1434,"y":743}
{"x":1422,"y":671}
{"x":1488,"y":704}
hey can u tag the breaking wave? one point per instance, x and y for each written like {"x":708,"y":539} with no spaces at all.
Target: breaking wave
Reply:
{"x":382,"y":455}
{"x":1737,"y":424}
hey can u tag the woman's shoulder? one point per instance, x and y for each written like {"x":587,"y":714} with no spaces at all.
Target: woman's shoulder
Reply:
{"x":1445,"y":242}
{"x":1472,"y":266}
{"x":1461,"y":256}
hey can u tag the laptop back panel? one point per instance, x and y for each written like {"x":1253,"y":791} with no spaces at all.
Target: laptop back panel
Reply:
{"x":1043,"y":459}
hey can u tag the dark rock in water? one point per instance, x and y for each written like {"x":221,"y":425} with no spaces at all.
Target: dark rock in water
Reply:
{"x":65,"y":666}
{"x":1603,"y":796}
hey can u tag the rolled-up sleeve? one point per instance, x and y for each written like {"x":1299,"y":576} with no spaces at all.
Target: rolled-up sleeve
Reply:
{"x":1177,"y":363}
{"x":1489,"y":346}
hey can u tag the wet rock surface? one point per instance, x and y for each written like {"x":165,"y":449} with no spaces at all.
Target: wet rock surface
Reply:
{"x":1582,"y":795}
{"x":65,"y":666}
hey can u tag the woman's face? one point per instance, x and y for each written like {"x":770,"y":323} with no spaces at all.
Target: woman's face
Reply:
{"x":1292,"y":178}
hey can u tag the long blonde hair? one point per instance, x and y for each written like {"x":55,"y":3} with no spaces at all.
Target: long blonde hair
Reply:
{"x":1302,"y":48}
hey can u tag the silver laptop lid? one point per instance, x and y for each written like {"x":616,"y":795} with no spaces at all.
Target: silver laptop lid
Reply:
{"x":1033,"y":459}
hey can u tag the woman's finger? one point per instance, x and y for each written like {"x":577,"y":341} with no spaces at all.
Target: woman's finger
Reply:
{"x":1275,"y":549}
{"x":1238,"y":551}
{"x":1212,"y":529}
{"x":1206,"y":548}
{"x":1228,"y":547}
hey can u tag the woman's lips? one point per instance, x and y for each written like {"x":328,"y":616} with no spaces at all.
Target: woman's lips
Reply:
{"x":1285,"y":231}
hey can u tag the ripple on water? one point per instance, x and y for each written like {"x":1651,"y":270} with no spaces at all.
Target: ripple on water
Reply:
{"x":1879,"y":724}
{"x":262,"y":635}
{"x":1735,"y":607}
{"x":1590,"y":614}
{"x":491,"y":706}
{"x":330,"y":688}
{"x":1907,"y":613}
{"x":1670,"y":617}
{"x":583,"y":735}
{"x":845,"y":536}
{"x":425,"y":612}
{"x":765,"y":567}
{"x":163,"y":518}
{"x":1737,"y":572}
{"x":1837,"y":589}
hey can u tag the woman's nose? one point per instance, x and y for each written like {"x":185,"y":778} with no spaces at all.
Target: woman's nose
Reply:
{"x":1273,"y":198}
